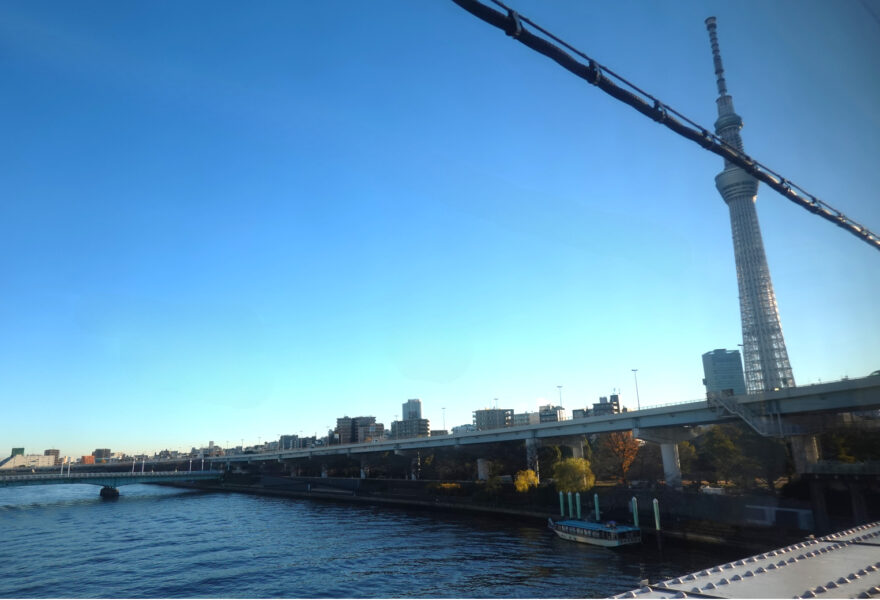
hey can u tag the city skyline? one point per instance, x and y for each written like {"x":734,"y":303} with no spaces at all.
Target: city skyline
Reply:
{"x":234,"y":224}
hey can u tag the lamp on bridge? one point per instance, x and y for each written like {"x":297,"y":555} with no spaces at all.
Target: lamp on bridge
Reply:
{"x":636,"y":377}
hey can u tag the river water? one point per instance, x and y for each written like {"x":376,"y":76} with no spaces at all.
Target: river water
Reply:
{"x":64,"y":541}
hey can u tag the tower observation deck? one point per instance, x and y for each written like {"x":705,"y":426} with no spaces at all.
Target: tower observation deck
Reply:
{"x":764,"y":353}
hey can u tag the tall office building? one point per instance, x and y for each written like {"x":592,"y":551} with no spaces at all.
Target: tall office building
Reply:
{"x":722,"y":370}
{"x":412,"y":409}
{"x":765,"y":356}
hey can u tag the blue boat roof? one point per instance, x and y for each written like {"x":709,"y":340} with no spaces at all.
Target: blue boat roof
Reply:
{"x":596,"y":526}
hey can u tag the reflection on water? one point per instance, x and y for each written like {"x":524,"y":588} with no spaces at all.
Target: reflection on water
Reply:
{"x":64,"y":541}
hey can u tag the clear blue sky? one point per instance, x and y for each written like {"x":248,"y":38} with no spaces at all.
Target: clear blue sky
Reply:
{"x":223,"y":221}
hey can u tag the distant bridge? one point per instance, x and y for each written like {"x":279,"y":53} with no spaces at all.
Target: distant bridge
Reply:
{"x":107,"y":479}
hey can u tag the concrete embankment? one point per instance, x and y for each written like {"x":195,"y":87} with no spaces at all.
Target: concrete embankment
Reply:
{"x":424,"y":495}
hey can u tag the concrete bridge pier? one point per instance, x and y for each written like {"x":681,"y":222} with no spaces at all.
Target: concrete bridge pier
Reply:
{"x":109,"y":493}
{"x":668,"y":438}
{"x":365,"y":468}
{"x":416,"y":466}
{"x":577,"y":447}
{"x":532,"y":445}
{"x":671,"y":464}
{"x":324,"y":472}
{"x":483,"y":469}
{"x":804,"y":451}
{"x":859,"y":505}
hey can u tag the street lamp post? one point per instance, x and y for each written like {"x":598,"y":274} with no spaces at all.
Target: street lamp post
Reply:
{"x":560,"y":394}
{"x":636,"y":377}
{"x":444,"y":418}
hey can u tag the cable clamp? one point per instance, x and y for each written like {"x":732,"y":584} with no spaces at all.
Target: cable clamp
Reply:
{"x":514,"y":26}
{"x":596,"y":72}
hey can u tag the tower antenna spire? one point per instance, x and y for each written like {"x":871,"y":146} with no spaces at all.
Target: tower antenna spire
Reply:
{"x":711,"y":25}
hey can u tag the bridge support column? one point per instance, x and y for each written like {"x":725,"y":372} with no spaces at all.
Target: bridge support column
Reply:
{"x":324,"y":473}
{"x":532,"y":445}
{"x":577,"y":448}
{"x":416,"y":466}
{"x":671,"y":465}
{"x":483,"y":469}
{"x":364,"y":467}
{"x":668,"y":438}
{"x":804,"y":451}
{"x":109,"y":493}
{"x":859,"y":506}
{"x":820,"y":507}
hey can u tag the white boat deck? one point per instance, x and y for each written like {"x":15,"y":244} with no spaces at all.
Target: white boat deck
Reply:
{"x":841,"y":565}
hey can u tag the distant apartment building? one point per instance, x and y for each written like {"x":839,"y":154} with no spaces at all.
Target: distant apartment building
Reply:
{"x":56,"y":454}
{"x":551,"y":414}
{"x":723,"y":370}
{"x":580,"y":413}
{"x":412,"y":424}
{"x":29,"y":461}
{"x":526,"y":418}
{"x":493,"y":418}
{"x":17,"y":452}
{"x":466,"y":428}
{"x":607,"y":406}
{"x":343,"y":429}
{"x":354,"y":430}
{"x":436,"y":432}
{"x":371,"y":432}
{"x":412,"y":409}
{"x":410,"y":428}
{"x":87,"y":460}
{"x":102,"y":454}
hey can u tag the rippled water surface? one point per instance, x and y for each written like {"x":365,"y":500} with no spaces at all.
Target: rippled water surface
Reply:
{"x":64,"y":541}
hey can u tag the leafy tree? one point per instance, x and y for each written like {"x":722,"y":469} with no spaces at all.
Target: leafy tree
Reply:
{"x":687,"y":456}
{"x":717,"y":455}
{"x":525,"y":480}
{"x":573,"y":475}
{"x":622,"y":448}
{"x":648,"y":464}
{"x":763,"y":458}
{"x":548,"y":456}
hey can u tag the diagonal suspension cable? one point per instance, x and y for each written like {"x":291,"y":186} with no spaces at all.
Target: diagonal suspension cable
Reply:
{"x":618,"y":87}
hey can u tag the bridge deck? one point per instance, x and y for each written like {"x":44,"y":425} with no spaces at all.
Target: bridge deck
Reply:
{"x":106,"y":479}
{"x":840,"y":565}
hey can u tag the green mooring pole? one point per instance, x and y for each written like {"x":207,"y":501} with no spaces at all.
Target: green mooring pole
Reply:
{"x":570,"y":507}
{"x":656,"y":514}
{"x":596,"y":504}
{"x":577,"y":497}
{"x":561,"y":505}
{"x":635,"y":504}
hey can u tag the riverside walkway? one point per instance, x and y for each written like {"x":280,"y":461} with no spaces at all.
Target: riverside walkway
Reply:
{"x":841,"y":565}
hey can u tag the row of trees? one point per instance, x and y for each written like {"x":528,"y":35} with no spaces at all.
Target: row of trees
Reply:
{"x":725,"y":453}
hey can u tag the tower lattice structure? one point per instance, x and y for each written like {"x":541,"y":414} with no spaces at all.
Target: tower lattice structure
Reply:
{"x":764,"y":354}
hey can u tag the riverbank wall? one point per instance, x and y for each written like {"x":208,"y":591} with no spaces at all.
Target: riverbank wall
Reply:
{"x":687,"y":517}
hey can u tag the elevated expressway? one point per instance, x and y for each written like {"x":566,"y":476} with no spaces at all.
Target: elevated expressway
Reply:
{"x":790,"y":412}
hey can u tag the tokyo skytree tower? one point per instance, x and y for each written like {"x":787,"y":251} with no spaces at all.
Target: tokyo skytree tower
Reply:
{"x":764,"y":353}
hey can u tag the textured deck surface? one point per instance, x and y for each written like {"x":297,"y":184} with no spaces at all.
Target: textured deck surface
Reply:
{"x":841,"y":565}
